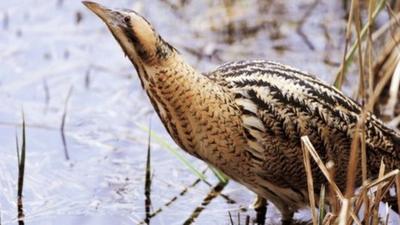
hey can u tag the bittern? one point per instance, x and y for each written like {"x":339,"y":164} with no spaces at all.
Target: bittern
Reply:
{"x":247,"y":118}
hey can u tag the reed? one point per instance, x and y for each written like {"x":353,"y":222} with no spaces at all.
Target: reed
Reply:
{"x":21,"y":156}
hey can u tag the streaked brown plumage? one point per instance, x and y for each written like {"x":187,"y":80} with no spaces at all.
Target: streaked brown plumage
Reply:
{"x":246,"y":117}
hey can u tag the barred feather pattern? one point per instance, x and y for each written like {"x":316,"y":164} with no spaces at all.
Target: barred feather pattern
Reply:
{"x":279,"y":104}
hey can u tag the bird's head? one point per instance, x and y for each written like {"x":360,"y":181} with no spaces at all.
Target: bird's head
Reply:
{"x":138,"y":39}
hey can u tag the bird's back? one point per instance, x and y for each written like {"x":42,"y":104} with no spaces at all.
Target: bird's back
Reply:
{"x":279,"y":104}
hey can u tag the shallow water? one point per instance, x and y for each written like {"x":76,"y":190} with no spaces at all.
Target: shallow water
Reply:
{"x":49,"y":47}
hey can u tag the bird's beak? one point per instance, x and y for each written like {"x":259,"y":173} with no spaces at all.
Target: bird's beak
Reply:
{"x":111,"y":17}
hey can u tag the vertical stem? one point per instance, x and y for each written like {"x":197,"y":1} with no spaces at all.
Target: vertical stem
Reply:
{"x":21,"y":173}
{"x":339,"y":79}
{"x":147,"y":185}
{"x":62,"y":127}
{"x":357,"y":23}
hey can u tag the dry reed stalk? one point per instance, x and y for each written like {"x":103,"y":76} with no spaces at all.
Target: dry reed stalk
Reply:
{"x":384,"y":178}
{"x":394,"y":87}
{"x":368,"y":56}
{"x":329,"y":219}
{"x":310,"y":183}
{"x":310,"y":148}
{"x":321,"y":205}
{"x":333,"y":200}
{"x":349,"y":54}
{"x":383,"y":183}
{"x":357,"y":24}
{"x":340,"y":76}
{"x":367,"y":108}
{"x":378,"y":193}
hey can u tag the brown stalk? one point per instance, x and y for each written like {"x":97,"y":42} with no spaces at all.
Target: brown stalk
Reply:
{"x":384,"y":178}
{"x":398,"y":192}
{"x":357,"y":23}
{"x":310,"y":184}
{"x":353,"y":156}
{"x":333,"y":200}
{"x":353,"y":160}
{"x":339,"y":79}
{"x":329,"y":219}
{"x":375,"y":217}
{"x":321,"y":205}
{"x":388,"y":179}
{"x":310,"y":148}
{"x":386,"y":182}
{"x":368,"y":57}
{"x":349,"y":56}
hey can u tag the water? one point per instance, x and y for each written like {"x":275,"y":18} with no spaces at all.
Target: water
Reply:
{"x":49,"y":47}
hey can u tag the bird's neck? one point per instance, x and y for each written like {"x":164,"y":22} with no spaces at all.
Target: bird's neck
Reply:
{"x":190,"y":105}
{"x":173,"y":87}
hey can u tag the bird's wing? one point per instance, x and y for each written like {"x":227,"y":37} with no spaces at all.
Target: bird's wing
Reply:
{"x":280,"y":104}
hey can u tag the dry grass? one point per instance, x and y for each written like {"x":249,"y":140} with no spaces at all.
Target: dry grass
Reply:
{"x":358,"y":206}
{"x":370,"y":194}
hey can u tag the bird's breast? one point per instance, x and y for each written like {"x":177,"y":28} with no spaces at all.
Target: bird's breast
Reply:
{"x":200,"y":116}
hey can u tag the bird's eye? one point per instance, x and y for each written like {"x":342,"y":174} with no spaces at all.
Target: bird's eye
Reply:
{"x":127,"y":19}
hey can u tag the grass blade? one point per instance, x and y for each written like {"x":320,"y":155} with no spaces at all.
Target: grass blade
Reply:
{"x":310,"y":183}
{"x":21,"y":173}
{"x":219,"y":174}
{"x":62,"y":127}
{"x":321,"y":205}
{"x":147,"y":183}
{"x":349,"y":56}
{"x":230,"y":218}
